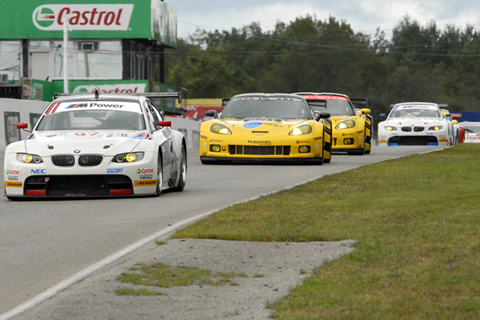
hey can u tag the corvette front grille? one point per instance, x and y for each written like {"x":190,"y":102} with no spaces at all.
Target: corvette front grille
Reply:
{"x":259,"y":150}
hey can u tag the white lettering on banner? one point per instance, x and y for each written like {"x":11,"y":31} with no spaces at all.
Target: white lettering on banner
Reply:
{"x":96,"y":17}
{"x":112,"y":88}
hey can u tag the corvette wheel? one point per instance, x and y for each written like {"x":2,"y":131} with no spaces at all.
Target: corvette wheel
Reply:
{"x":159,"y":175}
{"x":182,"y":179}
{"x":368,"y":143}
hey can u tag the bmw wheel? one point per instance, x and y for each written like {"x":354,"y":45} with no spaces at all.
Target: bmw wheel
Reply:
{"x":159,"y":175}
{"x":182,"y":179}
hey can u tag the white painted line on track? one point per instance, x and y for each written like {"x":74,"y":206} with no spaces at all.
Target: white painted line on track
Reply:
{"x":93,"y":268}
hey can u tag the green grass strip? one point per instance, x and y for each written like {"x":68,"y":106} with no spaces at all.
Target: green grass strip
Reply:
{"x":417,"y":222}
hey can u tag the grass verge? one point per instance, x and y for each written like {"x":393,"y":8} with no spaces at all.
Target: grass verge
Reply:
{"x":417,"y":220}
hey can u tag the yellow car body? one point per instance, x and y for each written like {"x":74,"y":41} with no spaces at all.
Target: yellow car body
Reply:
{"x":352,"y":128}
{"x":266,"y":127}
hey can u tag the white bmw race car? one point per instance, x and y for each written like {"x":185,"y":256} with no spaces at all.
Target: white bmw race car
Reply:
{"x":416,"y":123}
{"x":94,"y":145}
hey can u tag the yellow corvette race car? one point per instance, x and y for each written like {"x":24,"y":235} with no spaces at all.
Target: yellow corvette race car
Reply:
{"x":352,"y":128}
{"x":266,"y":127}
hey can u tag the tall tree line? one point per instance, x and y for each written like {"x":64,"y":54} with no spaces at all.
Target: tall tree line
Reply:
{"x":419,"y":63}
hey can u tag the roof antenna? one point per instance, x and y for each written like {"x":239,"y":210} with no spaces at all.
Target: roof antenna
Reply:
{"x":97,"y":92}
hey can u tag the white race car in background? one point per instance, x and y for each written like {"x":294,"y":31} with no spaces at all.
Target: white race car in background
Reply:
{"x":472,"y":131}
{"x":92,"y":145}
{"x":416,"y":123}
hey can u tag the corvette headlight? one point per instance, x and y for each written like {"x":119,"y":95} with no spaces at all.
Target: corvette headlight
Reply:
{"x":128,"y":157}
{"x":390,"y":128}
{"x":345,"y":124}
{"x":29,"y":158}
{"x":220,"y":128}
{"x":435,"y":128}
{"x":303,"y":129}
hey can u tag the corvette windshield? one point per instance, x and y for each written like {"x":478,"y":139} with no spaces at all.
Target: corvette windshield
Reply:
{"x":334,"y":107}
{"x":415,"y":113}
{"x":266,"y":107}
{"x":91,"y":120}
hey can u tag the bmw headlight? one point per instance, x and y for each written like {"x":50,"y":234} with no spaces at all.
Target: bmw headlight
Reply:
{"x":390,"y":128}
{"x":302,"y":129}
{"x":29,"y":158}
{"x":435,"y":128}
{"x":128,"y":157}
{"x":220,"y":128}
{"x":345,"y":124}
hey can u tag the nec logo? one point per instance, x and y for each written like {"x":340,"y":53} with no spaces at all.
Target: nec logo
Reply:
{"x":51,"y":17}
{"x":38,"y":171}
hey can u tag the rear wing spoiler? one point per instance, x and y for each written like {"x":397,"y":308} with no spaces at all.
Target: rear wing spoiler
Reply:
{"x":150,"y":95}
{"x":360,"y":103}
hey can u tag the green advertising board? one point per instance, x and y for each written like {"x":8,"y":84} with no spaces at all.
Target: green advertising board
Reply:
{"x":103,"y":19}
{"x":44,"y":90}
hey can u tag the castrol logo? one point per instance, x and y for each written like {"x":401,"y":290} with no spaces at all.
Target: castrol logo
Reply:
{"x":51,"y":17}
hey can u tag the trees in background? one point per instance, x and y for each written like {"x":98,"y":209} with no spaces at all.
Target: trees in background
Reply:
{"x":419,"y":63}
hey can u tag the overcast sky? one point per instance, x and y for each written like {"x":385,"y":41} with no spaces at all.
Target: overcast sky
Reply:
{"x":362,"y":15}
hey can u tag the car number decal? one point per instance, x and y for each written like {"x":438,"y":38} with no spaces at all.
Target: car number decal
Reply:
{"x":82,"y":134}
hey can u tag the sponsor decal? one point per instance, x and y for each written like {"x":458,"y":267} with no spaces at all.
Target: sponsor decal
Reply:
{"x":144,"y":183}
{"x":252,"y":124}
{"x":51,"y":17}
{"x":13,"y":171}
{"x":38,"y":171}
{"x":259,"y":142}
{"x":146,"y":176}
{"x":324,"y":97}
{"x":148,"y":170}
{"x":94,"y":105}
{"x":115,"y":88}
{"x":115,"y":170}
{"x":142,"y":135}
{"x":11,"y":184}
{"x":12,"y":177}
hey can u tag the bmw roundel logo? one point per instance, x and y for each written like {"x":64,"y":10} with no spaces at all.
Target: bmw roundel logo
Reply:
{"x":77,"y":151}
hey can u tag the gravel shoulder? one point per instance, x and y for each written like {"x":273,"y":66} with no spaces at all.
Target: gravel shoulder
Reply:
{"x":272,"y":270}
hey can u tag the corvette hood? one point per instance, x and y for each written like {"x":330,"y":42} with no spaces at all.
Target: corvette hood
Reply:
{"x":337,"y":119}
{"x":263,"y":126}
{"x":106,"y":142}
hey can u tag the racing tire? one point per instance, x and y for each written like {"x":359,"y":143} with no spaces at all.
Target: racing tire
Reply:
{"x":369,"y":143}
{"x":158,"y":192}
{"x":182,"y":179}
{"x":327,"y":146}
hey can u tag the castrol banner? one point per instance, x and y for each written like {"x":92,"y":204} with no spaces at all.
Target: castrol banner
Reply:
{"x":99,"y":19}
{"x":51,"y":17}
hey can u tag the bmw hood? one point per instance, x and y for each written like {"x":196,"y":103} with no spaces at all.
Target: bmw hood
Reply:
{"x":69,"y":142}
{"x":413,"y":121}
